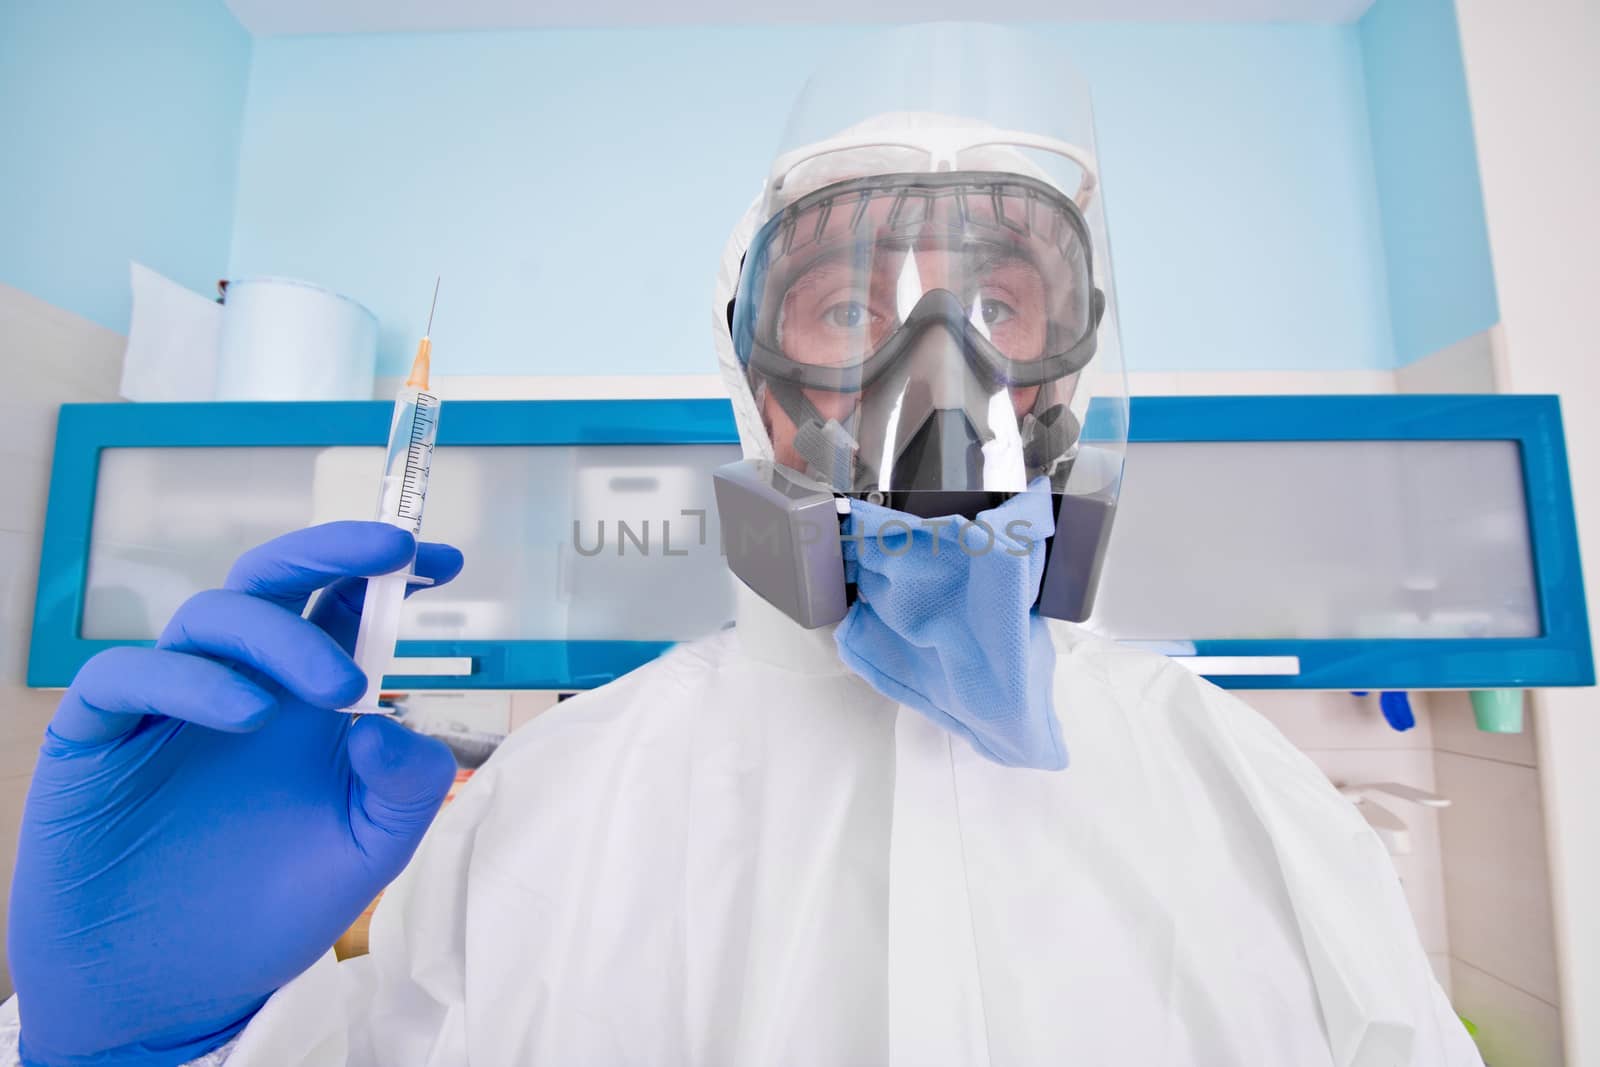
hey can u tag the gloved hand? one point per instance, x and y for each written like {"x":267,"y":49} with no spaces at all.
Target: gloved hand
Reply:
{"x":943,"y":622}
{"x":201,"y":826}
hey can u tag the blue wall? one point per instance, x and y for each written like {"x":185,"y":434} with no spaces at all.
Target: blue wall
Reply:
{"x":119,"y":124}
{"x":574,"y":188}
{"x":1441,"y":278}
{"x":1287,"y":196}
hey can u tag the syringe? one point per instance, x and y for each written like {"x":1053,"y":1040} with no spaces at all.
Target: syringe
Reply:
{"x":401,"y":495}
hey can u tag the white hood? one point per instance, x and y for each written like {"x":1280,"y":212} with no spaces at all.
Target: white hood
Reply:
{"x":752,"y":432}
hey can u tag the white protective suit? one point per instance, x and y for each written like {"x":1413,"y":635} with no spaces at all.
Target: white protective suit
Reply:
{"x":741,"y":855}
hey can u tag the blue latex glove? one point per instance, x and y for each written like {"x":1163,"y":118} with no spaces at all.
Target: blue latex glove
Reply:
{"x":950,"y":631}
{"x":201,"y":828}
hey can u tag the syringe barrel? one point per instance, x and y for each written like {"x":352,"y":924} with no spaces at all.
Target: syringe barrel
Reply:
{"x":404,"y":488}
{"x":380,"y":629}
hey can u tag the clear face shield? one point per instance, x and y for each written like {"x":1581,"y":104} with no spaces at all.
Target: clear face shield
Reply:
{"x":926,"y":318}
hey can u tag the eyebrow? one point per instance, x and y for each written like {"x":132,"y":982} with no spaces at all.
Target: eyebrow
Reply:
{"x":816,"y":270}
{"x":990,"y":257}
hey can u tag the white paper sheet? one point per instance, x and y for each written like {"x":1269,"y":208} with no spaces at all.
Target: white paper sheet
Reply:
{"x":172,"y":341}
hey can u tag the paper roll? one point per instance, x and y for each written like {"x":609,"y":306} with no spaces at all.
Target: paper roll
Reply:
{"x":290,"y":340}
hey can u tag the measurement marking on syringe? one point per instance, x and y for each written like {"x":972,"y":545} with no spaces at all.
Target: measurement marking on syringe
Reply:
{"x":414,"y":479}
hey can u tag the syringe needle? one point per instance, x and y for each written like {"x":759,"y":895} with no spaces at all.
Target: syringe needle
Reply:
{"x":419,"y":365}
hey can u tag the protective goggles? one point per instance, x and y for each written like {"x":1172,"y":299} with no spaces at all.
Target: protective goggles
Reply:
{"x":835,"y":285}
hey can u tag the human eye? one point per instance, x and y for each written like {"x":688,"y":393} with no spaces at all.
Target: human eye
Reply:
{"x":994,"y":311}
{"x":847,"y":315}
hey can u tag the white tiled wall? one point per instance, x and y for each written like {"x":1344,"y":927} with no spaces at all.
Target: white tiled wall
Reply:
{"x":1497,"y":874}
{"x":1515,"y":1029}
{"x":1497,"y":886}
{"x":50,"y":357}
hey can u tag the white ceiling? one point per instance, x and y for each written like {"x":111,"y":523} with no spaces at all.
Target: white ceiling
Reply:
{"x":266,"y":18}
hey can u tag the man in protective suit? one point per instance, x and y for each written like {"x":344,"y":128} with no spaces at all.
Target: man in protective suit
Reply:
{"x":904,"y":813}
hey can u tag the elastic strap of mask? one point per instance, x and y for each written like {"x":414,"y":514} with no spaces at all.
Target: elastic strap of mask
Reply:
{"x":828,"y":446}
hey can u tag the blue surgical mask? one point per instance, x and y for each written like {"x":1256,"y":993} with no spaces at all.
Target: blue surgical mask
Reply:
{"x":944,"y":622}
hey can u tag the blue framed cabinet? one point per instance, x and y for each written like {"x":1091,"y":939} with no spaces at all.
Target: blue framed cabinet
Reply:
{"x":1351,"y":542}
{"x":1382,"y":542}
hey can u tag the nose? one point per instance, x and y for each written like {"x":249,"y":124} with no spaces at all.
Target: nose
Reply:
{"x":937,"y":366}
{"x":936,"y":268}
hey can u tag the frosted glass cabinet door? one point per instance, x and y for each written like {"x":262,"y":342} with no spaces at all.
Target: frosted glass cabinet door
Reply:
{"x":1386,"y":542}
{"x":169,"y":522}
{"x":592,"y":542}
{"x":1213,"y":540}
{"x":1285,"y":540}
